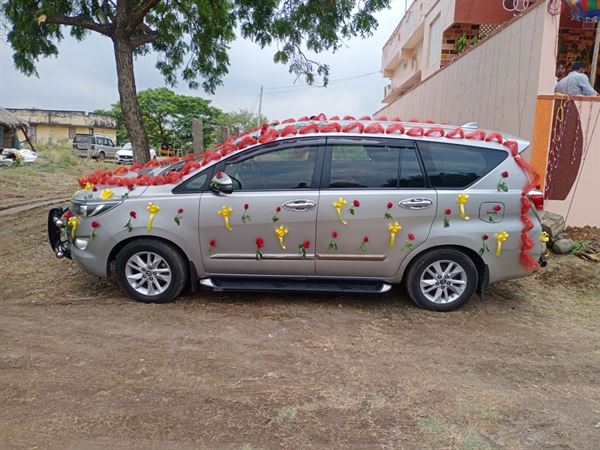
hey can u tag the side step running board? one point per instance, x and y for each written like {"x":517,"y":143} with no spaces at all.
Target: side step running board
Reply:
{"x":266,"y":285}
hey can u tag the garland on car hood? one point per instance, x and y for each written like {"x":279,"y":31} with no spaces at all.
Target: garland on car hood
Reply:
{"x":132,"y":176}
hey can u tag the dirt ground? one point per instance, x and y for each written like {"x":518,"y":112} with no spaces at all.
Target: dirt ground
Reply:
{"x":82,"y":366}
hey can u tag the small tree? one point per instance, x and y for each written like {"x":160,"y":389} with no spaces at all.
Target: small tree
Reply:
{"x":191,"y":37}
{"x":242,"y":120}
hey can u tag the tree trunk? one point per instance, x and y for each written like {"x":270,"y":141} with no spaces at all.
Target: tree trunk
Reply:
{"x":129,"y":100}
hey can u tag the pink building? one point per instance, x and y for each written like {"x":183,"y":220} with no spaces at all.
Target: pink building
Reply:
{"x":503,"y":79}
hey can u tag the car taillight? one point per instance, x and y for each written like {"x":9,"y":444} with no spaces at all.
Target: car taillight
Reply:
{"x":537,"y":198}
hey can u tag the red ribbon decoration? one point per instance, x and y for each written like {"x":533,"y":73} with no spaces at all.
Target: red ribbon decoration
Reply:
{"x":478,"y":134}
{"x":456,"y":133}
{"x":415,"y":131}
{"x":395,"y":127}
{"x":330,"y":127}
{"x":290,"y":120}
{"x":310,"y":128}
{"x":349,"y":128}
{"x":374,"y":128}
{"x":435,"y":131}
{"x":288,"y":130}
{"x":349,"y":118}
{"x":270,"y":135}
{"x":494,"y":137}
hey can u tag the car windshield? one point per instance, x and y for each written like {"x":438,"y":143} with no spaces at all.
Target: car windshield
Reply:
{"x":126,"y":146}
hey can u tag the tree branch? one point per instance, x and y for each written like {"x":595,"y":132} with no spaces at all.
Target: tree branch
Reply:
{"x":143,"y":39}
{"x":138,"y":15}
{"x":80,"y":21}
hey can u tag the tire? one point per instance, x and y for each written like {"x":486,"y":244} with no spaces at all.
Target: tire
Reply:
{"x":100,"y":156}
{"x":168,"y":276}
{"x":453,"y":290}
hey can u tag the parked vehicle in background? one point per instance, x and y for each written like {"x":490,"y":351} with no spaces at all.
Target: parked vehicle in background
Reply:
{"x":324,"y":210}
{"x":167,"y":150}
{"x":94,"y":146}
{"x":125,"y":155}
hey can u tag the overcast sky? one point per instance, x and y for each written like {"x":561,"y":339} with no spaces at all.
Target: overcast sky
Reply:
{"x":83,"y":77}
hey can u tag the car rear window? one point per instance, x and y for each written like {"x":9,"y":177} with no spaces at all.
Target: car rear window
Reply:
{"x":453,"y":166}
{"x":80,"y":139}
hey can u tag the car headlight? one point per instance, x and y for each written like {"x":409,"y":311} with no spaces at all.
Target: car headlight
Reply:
{"x":92,"y":208}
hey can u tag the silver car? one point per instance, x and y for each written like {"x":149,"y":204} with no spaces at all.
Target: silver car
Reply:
{"x":325,"y":211}
{"x":94,"y":146}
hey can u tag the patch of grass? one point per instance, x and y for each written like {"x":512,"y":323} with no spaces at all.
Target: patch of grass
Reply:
{"x":489,"y":414}
{"x":579,"y":247}
{"x":432,"y":425}
{"x":472,"y":441}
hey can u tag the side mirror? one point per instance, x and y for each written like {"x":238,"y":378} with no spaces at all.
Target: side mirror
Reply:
{"x":221,"y":183}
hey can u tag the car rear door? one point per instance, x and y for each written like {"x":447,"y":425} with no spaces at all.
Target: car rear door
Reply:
{"x":267,"y":225}
{"x":374,"y":207}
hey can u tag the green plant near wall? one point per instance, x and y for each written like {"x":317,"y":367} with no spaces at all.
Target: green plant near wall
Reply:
{"x":463,"y":41}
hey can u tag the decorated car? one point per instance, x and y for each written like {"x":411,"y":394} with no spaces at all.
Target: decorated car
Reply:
{"x":315,"y":205}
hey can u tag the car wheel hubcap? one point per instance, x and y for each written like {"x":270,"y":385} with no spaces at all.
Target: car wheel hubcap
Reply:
{"x":443,"y":281}
{"x":148,"y":273}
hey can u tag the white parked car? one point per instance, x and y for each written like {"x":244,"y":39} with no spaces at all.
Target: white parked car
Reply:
{"x":125,"y":155}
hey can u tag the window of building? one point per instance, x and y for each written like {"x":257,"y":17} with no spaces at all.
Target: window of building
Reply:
{"x":453,"y":166}
{"x":72,"y":132}
{"x":435,"y":41}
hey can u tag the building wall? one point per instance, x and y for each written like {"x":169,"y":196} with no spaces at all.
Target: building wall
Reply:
{"x":495,"y":83}
{"x":57,"y":134}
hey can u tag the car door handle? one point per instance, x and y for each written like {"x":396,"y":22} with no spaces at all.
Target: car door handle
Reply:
{"x":416,"y":203}
{"x":299,"y":205}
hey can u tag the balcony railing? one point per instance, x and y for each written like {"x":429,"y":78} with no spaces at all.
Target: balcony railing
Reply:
{"x":414,"y":16}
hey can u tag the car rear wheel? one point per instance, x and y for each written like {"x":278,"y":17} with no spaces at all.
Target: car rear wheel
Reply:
{"x":442,"y":280}
{"x":151,"y":271}
{"x":100,"y":156}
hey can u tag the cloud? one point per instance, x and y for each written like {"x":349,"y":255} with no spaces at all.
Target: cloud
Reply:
{"x":83,"y":77}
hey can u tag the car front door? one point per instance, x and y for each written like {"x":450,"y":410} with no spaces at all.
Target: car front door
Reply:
{"x":267,"y":225}
{"x":374,"y":207}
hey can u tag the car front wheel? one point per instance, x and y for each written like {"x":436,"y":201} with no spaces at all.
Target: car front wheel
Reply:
{"x":442,"y":280}
{"x":151,"y":271}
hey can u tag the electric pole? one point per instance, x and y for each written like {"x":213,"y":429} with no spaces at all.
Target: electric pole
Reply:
{"x":260,"y":106}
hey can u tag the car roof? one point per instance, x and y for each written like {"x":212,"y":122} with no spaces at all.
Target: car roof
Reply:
{"x":426,"y":126}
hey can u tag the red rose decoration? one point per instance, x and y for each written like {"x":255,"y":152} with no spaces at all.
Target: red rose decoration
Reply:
{"x":180,"y":211}
{"x":306,"y":244}
{"x":448,"y":212}
{"x":246,"y":206}
{"x":497,"y":208}
{"x":95,"y":224}
{"x":260,"y":242}
{"x":356,"y":203}
{"x":278,"y":209}
{"x":212,"y":243}
{"x":366,"y":239}
{"x":411,"y":236}
{"x":485,"y":237}
{"x":505,"y":174}
{"x":132,"y":214}
{"x":390,"y":205}
{"x":334,"y":234}
{"x":94,"y":189}
{"x":219,"y":174}
{"x":68,"y":215}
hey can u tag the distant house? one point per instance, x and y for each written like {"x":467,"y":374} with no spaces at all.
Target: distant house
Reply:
{"x":54,"y":126}
{"x":10,"y":124}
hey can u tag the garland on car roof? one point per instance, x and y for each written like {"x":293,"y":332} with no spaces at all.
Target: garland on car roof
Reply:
{"x":268,"y":133}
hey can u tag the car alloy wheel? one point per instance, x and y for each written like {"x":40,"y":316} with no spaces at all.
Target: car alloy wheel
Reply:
{"x":148,"y":273}
{"x":443,"y":281}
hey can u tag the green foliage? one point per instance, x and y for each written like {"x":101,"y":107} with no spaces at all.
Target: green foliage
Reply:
{"x":192,"y":37}
{"x":167,"y":118}
{"x":236,"y":122}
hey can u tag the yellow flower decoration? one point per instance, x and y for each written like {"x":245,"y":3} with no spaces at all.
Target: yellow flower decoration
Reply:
{"x":105,"y":194}
{"x":225,"y":211}
{"x":393,"y":228}
{"x":73,"y":222}
{"x":280,"y":232}
{"x":544,"y":237}
{"x":338,"y":209}
{"x":500,"y":238}
{"x":88,"y":186}
{"x":153,"y":210}
{"x":462,"y":199}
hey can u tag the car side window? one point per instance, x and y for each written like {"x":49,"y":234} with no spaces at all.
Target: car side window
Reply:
{"x":411,"y":174}
{"x":363,"y":166}
{"x":278,"y":169}
{"x":453,"y":166}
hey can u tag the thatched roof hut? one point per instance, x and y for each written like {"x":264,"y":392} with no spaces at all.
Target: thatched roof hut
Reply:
{"x":10,"y":120}
{"x":9,"y":124}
